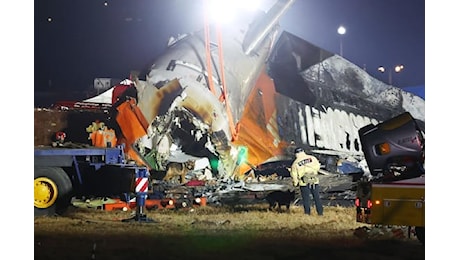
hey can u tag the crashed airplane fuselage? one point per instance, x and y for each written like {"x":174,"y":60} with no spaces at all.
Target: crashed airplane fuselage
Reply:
{"x":245,"y":90}
{"x":194,"y":94}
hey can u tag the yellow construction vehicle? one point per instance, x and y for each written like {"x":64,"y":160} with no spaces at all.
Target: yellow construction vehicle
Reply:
{"x":394,"y":193}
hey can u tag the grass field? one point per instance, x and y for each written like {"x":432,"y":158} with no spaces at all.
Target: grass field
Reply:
{"x":238,"y":232}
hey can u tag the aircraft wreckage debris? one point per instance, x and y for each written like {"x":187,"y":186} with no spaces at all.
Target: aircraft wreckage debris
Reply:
{"x":336,"y":189}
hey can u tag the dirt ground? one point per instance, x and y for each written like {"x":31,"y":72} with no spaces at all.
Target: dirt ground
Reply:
{"x":216,"y":233}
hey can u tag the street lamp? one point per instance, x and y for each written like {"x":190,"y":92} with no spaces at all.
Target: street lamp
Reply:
{"x":341,"y":31}
{"x":397,"y":69}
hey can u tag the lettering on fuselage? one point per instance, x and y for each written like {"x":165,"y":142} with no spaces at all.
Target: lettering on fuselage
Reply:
{"x":331,"y":129}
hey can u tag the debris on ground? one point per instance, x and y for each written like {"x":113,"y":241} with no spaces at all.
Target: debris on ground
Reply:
{"x":382,"y":232}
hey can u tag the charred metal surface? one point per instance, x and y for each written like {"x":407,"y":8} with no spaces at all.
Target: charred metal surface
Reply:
{"x":324,"y":99}
{"x":316,"y":77}
{"x":177,"y":97}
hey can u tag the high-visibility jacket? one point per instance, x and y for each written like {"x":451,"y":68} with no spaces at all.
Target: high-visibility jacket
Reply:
{"x":304,"y":170}
{"x":103,"y":138}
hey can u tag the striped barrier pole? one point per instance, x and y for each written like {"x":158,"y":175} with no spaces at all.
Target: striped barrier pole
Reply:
{"x":141,"y":189}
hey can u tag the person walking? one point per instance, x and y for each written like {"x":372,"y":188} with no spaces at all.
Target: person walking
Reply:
{"x":304,"y":173}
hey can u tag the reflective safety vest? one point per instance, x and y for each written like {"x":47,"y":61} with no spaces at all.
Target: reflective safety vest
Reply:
{"x":103,"y":138}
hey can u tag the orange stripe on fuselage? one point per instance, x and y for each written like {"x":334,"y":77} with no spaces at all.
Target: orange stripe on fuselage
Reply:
{"x":258,"y":116}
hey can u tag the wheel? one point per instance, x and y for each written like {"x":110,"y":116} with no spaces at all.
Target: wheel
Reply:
{"x":52,"y":191}
{"x":420,"y":233}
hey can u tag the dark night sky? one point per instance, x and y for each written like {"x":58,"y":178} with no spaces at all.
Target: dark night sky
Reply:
{"x":87,"y":39}
{"x":379,"y":33}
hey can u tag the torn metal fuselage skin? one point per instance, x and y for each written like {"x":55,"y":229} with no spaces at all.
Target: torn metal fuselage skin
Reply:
{"x":196,"y":108}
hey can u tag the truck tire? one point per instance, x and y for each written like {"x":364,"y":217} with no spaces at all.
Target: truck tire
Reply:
{"x":52,"y":191}
{"x":420,"y":233}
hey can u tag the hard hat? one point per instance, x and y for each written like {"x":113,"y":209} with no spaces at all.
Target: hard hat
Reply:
{"x":298,"y":150}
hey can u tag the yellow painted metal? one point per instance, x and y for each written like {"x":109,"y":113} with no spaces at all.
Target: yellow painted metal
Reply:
{"x":398,"y":205}
{"x":45,"y":192}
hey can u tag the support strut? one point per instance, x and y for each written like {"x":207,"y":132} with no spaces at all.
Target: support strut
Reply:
{"x":142,"y":184}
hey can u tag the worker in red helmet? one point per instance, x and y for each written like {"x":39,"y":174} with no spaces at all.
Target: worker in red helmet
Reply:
{"x":59,"y":139}
{"x":304,"y":173}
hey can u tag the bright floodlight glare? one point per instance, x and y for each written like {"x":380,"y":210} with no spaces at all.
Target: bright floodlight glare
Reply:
{"x":381,"y":69}
{"x":399,"y":68}
{"x":251,"y":5}
{"x":341,"y":30}
{"x":225,"y":11}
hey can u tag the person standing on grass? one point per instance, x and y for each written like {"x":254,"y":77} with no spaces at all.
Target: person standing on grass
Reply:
{"x":304,"y":173}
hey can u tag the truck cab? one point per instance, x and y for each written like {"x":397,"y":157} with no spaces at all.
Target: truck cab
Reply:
{"x":394,"y":193}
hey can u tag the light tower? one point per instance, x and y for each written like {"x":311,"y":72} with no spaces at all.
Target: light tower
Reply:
{"x":341,"y":31}
{"x":397,"y":69}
